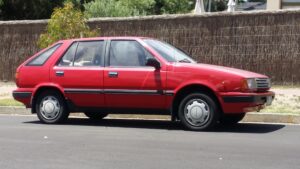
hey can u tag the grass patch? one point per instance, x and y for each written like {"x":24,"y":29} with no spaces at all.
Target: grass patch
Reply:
{"x":10,"y":102}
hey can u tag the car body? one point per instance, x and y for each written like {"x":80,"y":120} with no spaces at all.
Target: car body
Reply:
{"x":136,"y":75}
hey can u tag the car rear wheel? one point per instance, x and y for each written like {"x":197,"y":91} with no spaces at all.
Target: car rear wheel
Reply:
{"x":95,"y":115}
{"x":51,"y":108}
{"x":231,"y":119}
{"x":198,"y":112}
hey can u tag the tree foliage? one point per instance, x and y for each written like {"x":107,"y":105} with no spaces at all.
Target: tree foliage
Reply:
{"x":106,"y":8}
{"x":42,"y":9}
{"x":66,"y":22}
{"x":115,"y":8}
{"x":78,"y":3}
{"x":29,"y":9}
{"x":173,"y":6}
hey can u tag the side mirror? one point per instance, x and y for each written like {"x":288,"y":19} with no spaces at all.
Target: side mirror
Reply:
{"x":153,"y":62}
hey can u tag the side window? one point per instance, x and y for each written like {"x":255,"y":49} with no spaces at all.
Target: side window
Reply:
{"x":43,"y":57}
{"x":67,"y":59}
{"x":89,"y":53}
{"x":127,"y":53}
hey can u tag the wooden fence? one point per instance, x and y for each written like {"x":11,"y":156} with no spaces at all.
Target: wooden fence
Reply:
{"x":263,"y":42}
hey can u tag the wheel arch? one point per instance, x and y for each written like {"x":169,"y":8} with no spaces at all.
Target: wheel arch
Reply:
{"x":41,"y":88}
{"x":192,"y":88}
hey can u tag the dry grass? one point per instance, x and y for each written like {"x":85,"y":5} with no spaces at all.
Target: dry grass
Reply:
{"x":10,"y":102}
{"x":284,"y":104}
{"x":286,"y":87}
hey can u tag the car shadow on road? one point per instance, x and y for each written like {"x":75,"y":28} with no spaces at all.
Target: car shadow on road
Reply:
{"x":168,"y":125}
{"x":259,"y":128}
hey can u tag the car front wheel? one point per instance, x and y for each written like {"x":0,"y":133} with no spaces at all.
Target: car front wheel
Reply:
{"x":51,"y":108}
{"x":198,"y":111}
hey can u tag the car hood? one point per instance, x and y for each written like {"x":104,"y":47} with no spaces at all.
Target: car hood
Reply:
{"x":223,"y":69}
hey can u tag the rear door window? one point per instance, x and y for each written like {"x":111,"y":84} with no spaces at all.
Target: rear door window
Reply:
{"x":43,"y":57}
{"x":67,"y":59}
{"x":89,"y":53}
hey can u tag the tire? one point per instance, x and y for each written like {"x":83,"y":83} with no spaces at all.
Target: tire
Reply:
{"x":51,"y":108}
{"x":95,"y":115}
{"x":198,"y":112}
{"x":231,"y":119}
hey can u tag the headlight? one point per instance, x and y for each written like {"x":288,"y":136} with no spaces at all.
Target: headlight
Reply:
{"x":251,"y":84}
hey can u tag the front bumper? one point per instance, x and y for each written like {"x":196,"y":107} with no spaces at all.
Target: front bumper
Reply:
{"x":237,"y":102}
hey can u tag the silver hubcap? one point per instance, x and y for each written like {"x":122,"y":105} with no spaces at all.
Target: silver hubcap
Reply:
{"x":50,"y":108}
{"x":197,"y":112}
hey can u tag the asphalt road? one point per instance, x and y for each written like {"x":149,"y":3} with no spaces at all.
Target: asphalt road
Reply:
{"x":141,"y":144}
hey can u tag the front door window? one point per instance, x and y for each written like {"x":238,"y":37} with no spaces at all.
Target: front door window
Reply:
{"x":127,"y":53}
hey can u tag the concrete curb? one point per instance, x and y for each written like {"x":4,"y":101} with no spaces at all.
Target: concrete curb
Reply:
{"x":250,"y":117}
{"x":14,"y":110}
{"x":272,"y":118}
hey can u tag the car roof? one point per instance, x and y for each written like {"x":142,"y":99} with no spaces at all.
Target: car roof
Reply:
{"x":106,"y":38}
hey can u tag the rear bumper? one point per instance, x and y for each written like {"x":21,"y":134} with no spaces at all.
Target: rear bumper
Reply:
{"x":236,"y":102}
{"x":23,"y":96}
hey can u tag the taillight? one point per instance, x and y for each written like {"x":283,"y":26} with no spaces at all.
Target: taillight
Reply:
{"x":17,"y":78}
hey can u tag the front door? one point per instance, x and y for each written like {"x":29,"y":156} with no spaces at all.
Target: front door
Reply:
{"x":80,"y":73}
{"x":128,"y":83}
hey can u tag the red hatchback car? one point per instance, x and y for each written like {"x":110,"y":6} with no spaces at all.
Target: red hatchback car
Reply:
{"x":105,"y":75}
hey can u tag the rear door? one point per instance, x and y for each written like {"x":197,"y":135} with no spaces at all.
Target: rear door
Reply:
{"x":128,"y":83}
{"x":80,"y":73}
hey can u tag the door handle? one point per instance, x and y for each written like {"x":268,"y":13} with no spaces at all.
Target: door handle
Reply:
{"x":59,"y":73}
{"x":113,"y":74}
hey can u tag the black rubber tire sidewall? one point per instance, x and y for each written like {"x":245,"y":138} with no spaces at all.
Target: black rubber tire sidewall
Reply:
{"x":214,"y":116}
{"x":63,"y":115}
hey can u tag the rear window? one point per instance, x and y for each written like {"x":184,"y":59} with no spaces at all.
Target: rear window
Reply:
{"x":43,"y":57}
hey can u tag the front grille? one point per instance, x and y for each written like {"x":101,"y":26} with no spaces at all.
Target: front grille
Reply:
{"x":263,"y":83}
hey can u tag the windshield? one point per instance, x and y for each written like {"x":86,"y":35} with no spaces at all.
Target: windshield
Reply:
{"x":169,"y":52}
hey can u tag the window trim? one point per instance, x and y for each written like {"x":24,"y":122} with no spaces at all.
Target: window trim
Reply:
{"x":58,"y":45}
{"x":107,"y":62}
{"x":103,"y":53}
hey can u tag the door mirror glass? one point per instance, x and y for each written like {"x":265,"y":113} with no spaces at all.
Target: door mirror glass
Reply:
{"x":153,"y":62}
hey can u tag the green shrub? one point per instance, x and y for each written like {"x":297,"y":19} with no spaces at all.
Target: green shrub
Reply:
{"x":65,"y":23}
{"x":118,"y":8}
{"x":176,"y":6}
